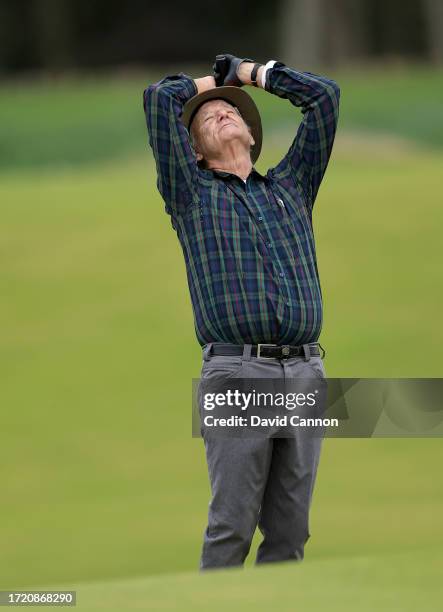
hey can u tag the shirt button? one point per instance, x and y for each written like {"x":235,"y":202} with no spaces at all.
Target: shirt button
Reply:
{"x":281,"y":274}
{"x":269,"y":244}
{"x":280,"y":202}
{"x":260,"y":218}
{"x":288,"y":303}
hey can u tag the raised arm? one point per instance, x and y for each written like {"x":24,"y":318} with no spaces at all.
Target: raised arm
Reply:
{"x":318,"y":98}
{"x":174,"y":156}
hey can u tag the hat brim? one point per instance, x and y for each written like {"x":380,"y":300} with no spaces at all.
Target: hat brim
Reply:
{"x":239,"y":98}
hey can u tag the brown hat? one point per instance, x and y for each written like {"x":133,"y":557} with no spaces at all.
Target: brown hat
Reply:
{"x":239,"y":98}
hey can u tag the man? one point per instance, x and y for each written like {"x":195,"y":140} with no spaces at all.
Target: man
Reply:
{"x":249,"y":249}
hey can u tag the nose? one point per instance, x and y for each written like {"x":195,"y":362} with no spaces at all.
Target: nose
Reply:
{"x":222,"y":114}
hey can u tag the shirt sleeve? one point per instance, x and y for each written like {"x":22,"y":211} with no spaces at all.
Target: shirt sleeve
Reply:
{"x":169,"y":139}
{"x":309,"y":154}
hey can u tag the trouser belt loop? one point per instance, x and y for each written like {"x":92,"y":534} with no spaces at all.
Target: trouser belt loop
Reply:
{"x":307,"y":352}
{"x":247,"y":352}
{"x":207,"y":351}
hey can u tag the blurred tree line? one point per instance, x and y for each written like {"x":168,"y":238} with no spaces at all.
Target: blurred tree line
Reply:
{"x":55,"y":35}
{"x":338,"y":31}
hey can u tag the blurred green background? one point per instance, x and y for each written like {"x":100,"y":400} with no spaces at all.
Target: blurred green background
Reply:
{"x":102,"y":485}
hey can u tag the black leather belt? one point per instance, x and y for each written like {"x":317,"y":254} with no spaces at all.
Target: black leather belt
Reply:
{"x":269,"y":351}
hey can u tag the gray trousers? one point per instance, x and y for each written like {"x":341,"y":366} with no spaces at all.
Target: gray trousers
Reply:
{"x":259,"y":481}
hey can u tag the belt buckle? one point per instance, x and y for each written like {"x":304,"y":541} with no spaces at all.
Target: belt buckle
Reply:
{"x":259,"y":346}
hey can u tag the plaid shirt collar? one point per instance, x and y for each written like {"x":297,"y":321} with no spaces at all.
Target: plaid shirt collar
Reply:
{"x":210,"y":173}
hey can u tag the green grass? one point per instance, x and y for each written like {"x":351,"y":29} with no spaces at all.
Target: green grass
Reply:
{"x":406,"y":582}
{"x":103,"y":486}
{"x":100,"y":476}
{"x":405,"y":102}
{"x":79,"y":120}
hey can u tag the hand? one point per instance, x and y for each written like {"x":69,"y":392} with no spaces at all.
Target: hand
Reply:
{"x":225,"y":70}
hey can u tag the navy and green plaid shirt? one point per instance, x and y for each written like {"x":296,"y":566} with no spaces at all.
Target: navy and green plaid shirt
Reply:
{"x":249,"y":247}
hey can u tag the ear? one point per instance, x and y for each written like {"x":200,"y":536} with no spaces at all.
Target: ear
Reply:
{"x":198,"y":155}
{"x":251,"y":138}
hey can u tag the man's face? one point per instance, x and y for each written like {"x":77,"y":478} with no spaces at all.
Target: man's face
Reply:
{"x":215,"y":125}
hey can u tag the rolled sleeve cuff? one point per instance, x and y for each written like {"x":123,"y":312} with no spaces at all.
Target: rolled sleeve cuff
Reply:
{"x":181,"y":86}
{"x":267,"y":67}
{"x":190,"y":86}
